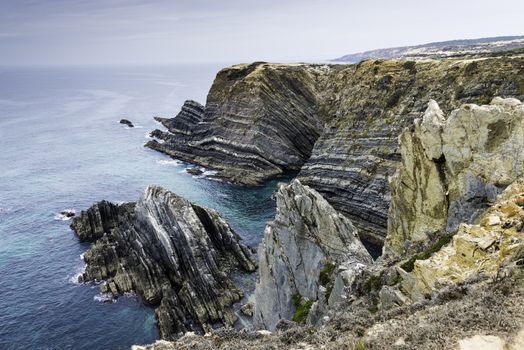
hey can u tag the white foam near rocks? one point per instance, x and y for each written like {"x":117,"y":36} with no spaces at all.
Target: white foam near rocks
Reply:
{"x":104,"y":298}
{"x":63,"y":215}
{"x":171,"y":162}
{"x":76,"y":278}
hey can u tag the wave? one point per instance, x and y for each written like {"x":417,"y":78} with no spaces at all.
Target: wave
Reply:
{"x":209,"y":173}
{"x":65,"y":215}
{"x":76,"y":278}
{"x":104,"y":298}
{"x":171,"y":162}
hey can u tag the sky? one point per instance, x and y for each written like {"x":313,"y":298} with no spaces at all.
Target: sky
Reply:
{"x":69,"y":32}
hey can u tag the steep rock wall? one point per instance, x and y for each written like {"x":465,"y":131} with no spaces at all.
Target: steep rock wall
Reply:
{"x":372,"y":103}
{"x":259,"y":121}
{"x":304,"y":250}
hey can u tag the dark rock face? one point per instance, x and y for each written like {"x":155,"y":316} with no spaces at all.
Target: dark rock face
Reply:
{"x":191,"y":114}
{"x":176,"y":255}
{"x":259,"y":121}
{"x":337,"y":124}
{"x":102,"y":217}
{"x":127,"y":122}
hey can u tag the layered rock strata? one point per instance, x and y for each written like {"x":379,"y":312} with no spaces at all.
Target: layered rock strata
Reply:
{"x":309,"y":252}
{"x":442,"y":293}
{"x":259,"y":120}
{"x":452,"y":171}
{"x":178,"y":256}
{"x":337,"y":124}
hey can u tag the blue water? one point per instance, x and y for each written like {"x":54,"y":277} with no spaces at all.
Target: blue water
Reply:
{"x":61,"y":147}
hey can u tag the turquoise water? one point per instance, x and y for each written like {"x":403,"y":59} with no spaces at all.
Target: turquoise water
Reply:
{"x":61,"y":147}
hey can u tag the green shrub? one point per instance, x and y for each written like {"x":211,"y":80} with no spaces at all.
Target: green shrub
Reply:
{"x":301,"y":308}
{"x":359,"y":345}
{"x":394,"y":98}
{"x":325,"y":276}
{"x":372,"y":283}
{"x":396,"y":280}
{"x":410,"y":66}
{"x":409,"y":265}
{"x":471,"y":68}
{"x":373,"y":309}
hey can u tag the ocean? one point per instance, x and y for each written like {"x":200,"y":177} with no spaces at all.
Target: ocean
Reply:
{"x":62,"y":147}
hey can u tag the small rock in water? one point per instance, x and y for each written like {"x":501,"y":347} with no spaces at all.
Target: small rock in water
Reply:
{"x":67,"y":213}
{"x":126,"y":122}
{"x":194,"y":171}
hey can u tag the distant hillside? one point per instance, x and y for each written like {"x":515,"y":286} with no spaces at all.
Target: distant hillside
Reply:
{"x":442,"y":49}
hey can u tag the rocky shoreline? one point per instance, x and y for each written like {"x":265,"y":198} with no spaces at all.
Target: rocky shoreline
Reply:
{"x":451,"y":276}
{"x":335,"y":124}
{"x":421,"y":162}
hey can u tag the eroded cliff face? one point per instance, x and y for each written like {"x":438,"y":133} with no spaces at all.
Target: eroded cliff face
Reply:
{"x":452,"y":171}
{"x":176,"y":255}
{"x":433,"y":290}
{"x":337,"y":124}
{"x":308,"y":254}
{"x":259,"y":120}
{"x":371,"y":103}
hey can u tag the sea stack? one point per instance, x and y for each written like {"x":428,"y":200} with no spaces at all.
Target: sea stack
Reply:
{"x":177,"y":255}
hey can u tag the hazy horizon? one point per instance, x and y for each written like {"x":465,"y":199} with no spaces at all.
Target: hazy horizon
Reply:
{"x":140,"y":32}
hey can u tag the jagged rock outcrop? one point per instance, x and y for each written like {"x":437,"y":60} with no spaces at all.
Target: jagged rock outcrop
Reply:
{"x":263,"y":119}
{"x":445,"y":319}
{"x":452,"y":170}
{"x":307,"y":250}
{"x":102,"y":217}
{"x":185,"y":122}
{"x":127,"y":122}
{"x":480,"y":249}
{"x":259,"y":121}
{"x":178,"y":256}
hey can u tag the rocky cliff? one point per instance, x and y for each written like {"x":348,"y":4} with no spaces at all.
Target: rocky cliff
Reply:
{"x":373,"y":102}
{"x":450,"y":289}
{"x":307,"y":250}
{"x":452,"y":170}
{"x":178,"y":256}
{"x":337,"y":124}
{"x":259,"y":120}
